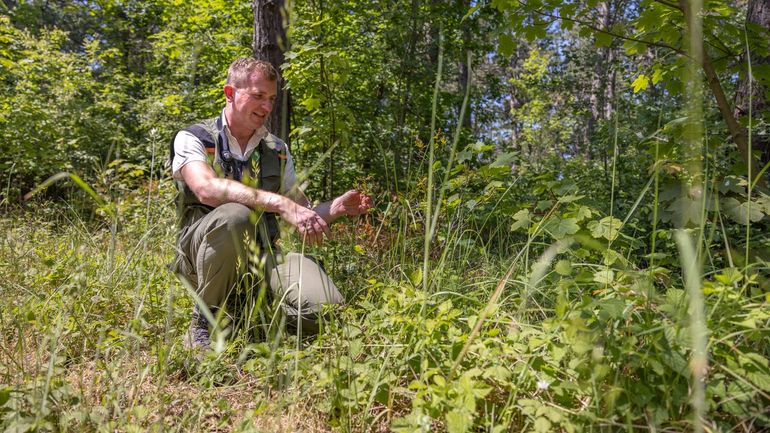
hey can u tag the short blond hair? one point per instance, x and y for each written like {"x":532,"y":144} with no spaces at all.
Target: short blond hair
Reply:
{"x":242,"y":69}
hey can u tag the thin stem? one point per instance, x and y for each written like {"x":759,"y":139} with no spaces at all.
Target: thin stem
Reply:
{"x":431,"y":157}
{"x":750,"y":159}
{"x":453,"y":152}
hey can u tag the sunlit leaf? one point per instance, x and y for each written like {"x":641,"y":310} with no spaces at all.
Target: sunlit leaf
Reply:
{"x":605,"y":276}
{"x":522,"y":219}
{"x":563,"y":267}
{"x":458,"y":421}
{"x":607,"y":228}
{"x":640,"y":83}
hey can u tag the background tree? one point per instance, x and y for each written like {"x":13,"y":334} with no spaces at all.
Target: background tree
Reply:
{"x":269,"y":44}
{"x":753,"y":91}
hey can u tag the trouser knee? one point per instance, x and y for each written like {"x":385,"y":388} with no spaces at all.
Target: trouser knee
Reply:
{"x":236,"y":217}
{"x":304,"y":288}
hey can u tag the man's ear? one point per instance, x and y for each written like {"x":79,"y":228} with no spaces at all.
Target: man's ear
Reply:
{"x":229,"y":92}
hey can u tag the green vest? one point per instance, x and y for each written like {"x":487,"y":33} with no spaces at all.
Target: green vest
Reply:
{"x":263,"y":170}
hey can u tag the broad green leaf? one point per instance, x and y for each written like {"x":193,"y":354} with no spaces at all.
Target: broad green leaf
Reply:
{"x":522,"y":219}
{"x":311,"y":103}
{"x":542,"y":425}
{"x":605,"y":276}
{"x":497,"y":372}
{"x":732,"y":184}
{"x":553,"y":414}
{"x":603,"y":39}
{"x":458,"y":421}
{"x":480,"y":147}
{"x":583,"y":212}
{"x":507,"y":45}
{"x":607,"y":228}
{"x":729,"y":276}
{"x":415,"y":421}
{"x":569,"y":198}
{"x":764,"y":202}
{"x":634,"y":47}
{"x":504,"y":160}
{"x":544,"y":204}
{"x":755,"y":358}
{"x":640,"y":83}
{"x":686,"y":211}
{"x":439,"y":380}
{"x":657,"y":76}
{"x":561,"y":227}
{"x":563,"y":267}
{"x":741,"y":212}
{"x":613,"y":307}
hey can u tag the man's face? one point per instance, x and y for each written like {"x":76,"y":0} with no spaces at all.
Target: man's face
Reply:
{"x":252,"y":103}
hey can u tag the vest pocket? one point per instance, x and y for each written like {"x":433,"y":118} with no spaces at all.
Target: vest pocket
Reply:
{"x":270,"y":176}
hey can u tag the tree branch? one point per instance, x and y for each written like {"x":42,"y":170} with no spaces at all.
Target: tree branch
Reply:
{"x":609,"y":33}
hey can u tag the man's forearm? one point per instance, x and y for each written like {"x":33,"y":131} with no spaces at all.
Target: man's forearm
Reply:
{"x":324,"y":210}
{"x":220,"y":191}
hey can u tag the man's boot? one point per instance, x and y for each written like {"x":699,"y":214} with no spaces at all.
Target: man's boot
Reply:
{"x":198,"y":335}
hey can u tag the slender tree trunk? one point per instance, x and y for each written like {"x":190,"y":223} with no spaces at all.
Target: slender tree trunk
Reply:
{"x":404,"y":87}
{"x":464,"y":68}
{"x":751,"y":96}
{"x":269,"y":44}
{"x":600,"y":99}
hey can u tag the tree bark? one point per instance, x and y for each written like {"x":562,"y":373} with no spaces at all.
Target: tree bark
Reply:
{"x":751,"y":97}
{"x":602,"y":88}
{"x":269,"y":44}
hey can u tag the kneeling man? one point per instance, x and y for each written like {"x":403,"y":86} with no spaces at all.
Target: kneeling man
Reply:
{"x":234,"y":179}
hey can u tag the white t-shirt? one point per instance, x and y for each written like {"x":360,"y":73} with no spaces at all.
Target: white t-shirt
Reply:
{"x":188,"y":148}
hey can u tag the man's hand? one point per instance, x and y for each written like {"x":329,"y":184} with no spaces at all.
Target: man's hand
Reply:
{"x":351,"y":203}
{"x":308,"y":223}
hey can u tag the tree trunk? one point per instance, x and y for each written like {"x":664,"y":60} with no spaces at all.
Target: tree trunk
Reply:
{"x":404,"y":89}
{"x":601,"y":95}
{"x":751,"y":95}
{"x":464,"y":68}
{"x":269,"y":44}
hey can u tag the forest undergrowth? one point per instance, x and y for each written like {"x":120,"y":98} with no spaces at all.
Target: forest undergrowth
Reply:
{"x":555,"y":317}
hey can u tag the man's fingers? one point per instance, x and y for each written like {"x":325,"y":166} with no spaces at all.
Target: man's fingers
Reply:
{"x":310,"y":236}
{"x":322,"y":227}
{"x":313,"y":230}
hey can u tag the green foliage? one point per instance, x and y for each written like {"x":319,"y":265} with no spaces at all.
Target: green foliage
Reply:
{"x":49,"y":125}
{"x":81,"y":92}
{"x":595,"y":335}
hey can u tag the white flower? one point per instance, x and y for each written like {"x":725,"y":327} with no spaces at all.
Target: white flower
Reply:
{"x":543,"y":384}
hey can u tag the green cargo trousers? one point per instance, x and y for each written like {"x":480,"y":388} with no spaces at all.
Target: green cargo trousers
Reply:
{"x":212,"y":256}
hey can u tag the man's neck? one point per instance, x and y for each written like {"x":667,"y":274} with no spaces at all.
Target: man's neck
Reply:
{"x":241,"y":135}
